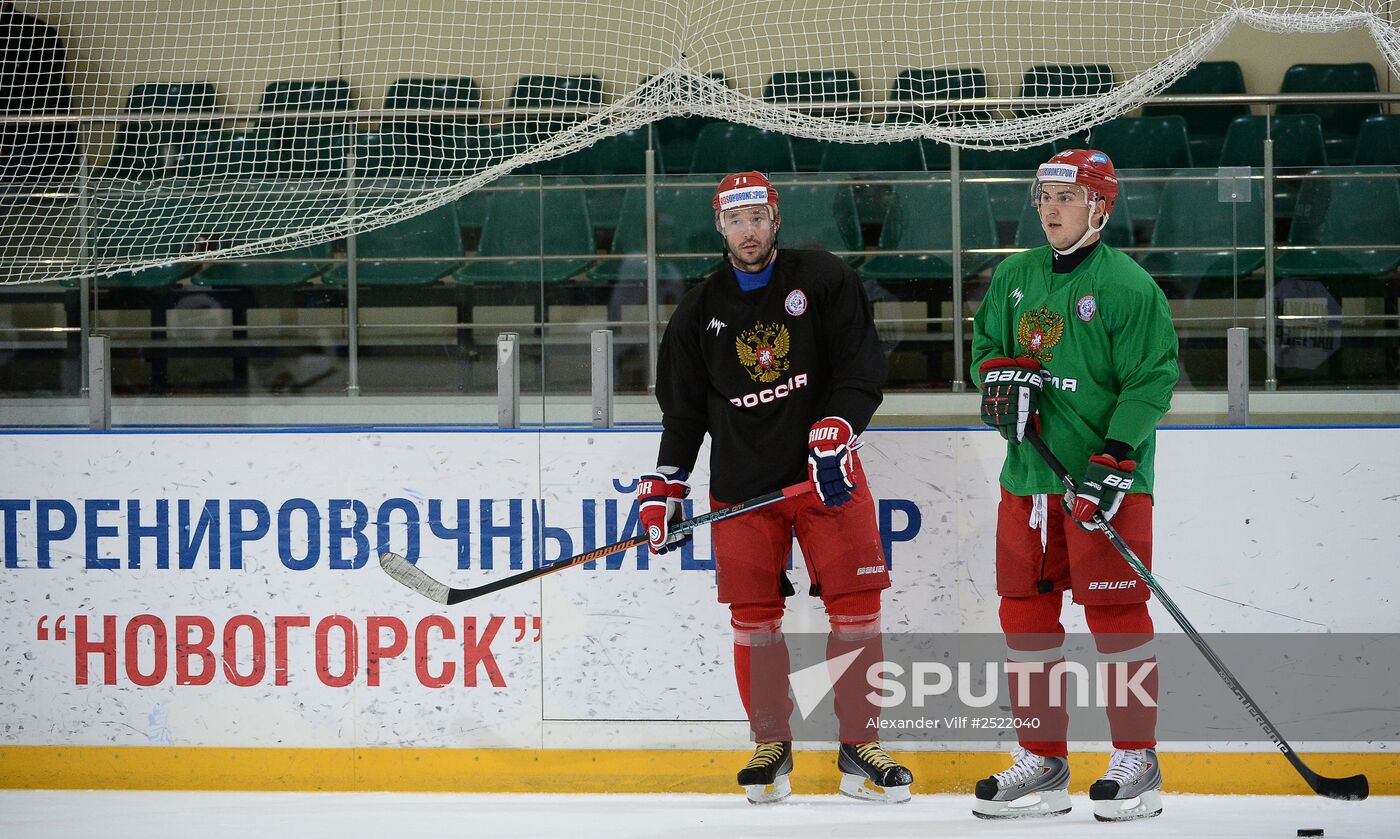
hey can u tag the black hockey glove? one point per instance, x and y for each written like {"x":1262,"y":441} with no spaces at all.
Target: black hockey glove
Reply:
{"x":1010,"y":390}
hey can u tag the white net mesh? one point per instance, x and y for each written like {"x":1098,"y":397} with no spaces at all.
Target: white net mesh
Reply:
{"x":147,"y":134}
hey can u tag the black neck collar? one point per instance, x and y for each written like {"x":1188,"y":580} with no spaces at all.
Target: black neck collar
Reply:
{"x":1066,"y":264}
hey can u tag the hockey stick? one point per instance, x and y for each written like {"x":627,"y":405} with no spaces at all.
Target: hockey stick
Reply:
{"x":418,"y":580}
{"x":1354,"y":788}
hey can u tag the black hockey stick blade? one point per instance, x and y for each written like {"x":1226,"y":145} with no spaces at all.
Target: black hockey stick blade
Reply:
{"x":417,"y":579}
{"x":1354,"y":788}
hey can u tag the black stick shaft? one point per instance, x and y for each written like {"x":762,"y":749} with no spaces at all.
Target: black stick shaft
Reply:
{"x":1353,"y":788}
{"x":459,"y":595}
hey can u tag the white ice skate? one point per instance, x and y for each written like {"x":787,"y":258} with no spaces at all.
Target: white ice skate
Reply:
{"x":869,"y":774}
{"x":1128,"y":790}
{"x":1033,"y":786}
{"x":765,"y":777}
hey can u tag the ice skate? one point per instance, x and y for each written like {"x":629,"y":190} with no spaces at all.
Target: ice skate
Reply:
{"x":868,"y":773}
{"x":1128,"y":790}
{"x":765,"y":777}
{"x":1033,"y":786}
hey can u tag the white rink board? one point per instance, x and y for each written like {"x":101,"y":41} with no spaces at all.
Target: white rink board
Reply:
{"x":1303,"y":523}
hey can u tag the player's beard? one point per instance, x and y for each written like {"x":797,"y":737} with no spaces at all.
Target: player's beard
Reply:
{"x":760,"y":259}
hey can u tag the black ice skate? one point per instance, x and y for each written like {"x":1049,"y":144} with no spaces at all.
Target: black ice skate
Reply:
{"x":765,"y":777}
{"x":868,"y":773}
{"x":1128,"y":790}
{"x":1033,"y":786}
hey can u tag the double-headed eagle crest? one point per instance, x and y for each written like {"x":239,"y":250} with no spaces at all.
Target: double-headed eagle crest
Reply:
{"x":1038,"y":331}
{"x":763,"y":351}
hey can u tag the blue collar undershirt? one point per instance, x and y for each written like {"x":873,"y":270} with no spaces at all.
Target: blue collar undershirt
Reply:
{"x":751,"y":282}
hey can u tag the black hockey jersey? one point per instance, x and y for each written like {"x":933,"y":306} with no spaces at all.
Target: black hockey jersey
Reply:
{"x":756,"y":368}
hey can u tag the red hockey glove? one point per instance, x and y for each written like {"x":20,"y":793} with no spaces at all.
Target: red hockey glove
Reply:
{"x":830,"y":444}
{"x":1105,"y":483}
{"x":1010,"y":390}
{"x":659,"y":497}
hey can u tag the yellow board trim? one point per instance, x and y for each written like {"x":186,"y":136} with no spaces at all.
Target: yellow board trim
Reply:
{"x":600,"y":771}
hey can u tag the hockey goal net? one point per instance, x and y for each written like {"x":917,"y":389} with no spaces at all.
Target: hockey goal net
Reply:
{"x":144,"y":134}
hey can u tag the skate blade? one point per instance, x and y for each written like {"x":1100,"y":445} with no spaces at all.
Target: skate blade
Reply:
{"x":864,"y":789}
{"x":1147,"y":805}
{"x":769,"y":793}
{"x":1047,"y":803}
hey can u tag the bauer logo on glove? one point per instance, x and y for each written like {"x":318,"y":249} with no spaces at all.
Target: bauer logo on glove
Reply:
{"x":1010,"y":390}
{"x":1106,"y":481}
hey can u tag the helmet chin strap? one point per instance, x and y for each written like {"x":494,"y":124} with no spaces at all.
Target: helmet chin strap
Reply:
{"x":1091,"y":231}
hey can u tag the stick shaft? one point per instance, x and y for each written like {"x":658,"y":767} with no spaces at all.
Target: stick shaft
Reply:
{"x":420,"y":581}
{"x":1317,"y":782}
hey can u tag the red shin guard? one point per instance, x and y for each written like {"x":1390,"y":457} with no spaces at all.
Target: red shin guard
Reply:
{"x":1123,"y":636}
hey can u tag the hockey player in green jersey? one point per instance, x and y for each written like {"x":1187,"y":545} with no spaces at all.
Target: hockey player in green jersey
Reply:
{"x":1075,"y":340}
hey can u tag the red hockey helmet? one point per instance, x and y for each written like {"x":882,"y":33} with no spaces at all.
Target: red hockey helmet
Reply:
{"x":744,"y":189}
{"x":1086,"y":167}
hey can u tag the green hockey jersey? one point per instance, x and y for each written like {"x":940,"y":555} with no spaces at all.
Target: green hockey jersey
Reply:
{"x":1103,"y":335}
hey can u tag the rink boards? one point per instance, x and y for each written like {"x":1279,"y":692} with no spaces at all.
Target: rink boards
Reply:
{"x":205,"y":609}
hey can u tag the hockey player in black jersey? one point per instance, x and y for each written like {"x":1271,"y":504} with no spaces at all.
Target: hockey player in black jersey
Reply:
{"x":775,"y":356}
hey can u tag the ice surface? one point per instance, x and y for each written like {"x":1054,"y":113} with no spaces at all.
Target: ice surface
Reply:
{"x":153,"y":815}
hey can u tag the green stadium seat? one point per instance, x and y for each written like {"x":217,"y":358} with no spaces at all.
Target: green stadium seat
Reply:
{"x":310,"y":262}
{"x":903,"y":156}
{"x":921,"y":219}
{"x":471,"y":208}
{"x":685,"y":223}
{"x":677,"y":135}
{"x":1053,"y":80}
{"x":423,"y":146}
{"x":870,"y":161}
{"x":551,"y":91}
{"x":1009,"y":198}
{"x":233,"y":153}
{"x":1192,"y":215}
{"x":1346,"y":211}
{"x":945,"y":83}
{"x":1378,"y":142}
{"x":821,"y":217}
{"x":146,"y":149}
{"x":938,"y":157}
{"x":528,"y":224}
{"x":1341,"y":122}
{"x":127,"y":227}
{"x":306,"y":148}
{"x":621,"y":155}
{"x":1297,"y":145}
{"x":725,"y":147}
{"x":259,"y":210}
{"x":1297,"y":142}
{"x":277,"y":148}
{"x":432,"y":234}
{"x":519,"y":133}
{"x":1151,"y":143}
{"x":1206,"y":124}
{"x":1144,"y":142}
{"x":807,"y":86}
{"x":1118,"y":232}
